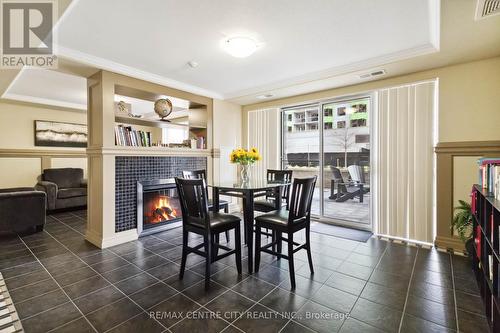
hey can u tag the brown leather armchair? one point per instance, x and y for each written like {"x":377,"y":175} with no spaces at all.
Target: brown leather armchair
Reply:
{"x":65,"y":188}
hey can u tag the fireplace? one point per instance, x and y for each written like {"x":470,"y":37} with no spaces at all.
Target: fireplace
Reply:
{"x":158,"y":206}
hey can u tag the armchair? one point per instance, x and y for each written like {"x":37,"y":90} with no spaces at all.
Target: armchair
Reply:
{"x":21,"y":209}
{"x":65,"y":188}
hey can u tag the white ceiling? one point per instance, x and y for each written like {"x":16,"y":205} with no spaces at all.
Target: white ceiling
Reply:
{"x":300,"y":40}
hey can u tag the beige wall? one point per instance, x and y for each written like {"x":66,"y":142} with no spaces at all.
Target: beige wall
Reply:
{"x":468,"y":99}
{"x":17,"y":133}
{"x":226,"y":137}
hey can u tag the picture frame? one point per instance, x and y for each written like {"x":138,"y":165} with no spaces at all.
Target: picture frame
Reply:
{"x":60,"y":134}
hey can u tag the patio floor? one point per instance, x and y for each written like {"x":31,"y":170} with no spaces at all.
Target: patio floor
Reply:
{"x":350,"y":210}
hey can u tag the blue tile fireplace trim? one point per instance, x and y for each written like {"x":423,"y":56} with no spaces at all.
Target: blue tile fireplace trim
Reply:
{"x":131,"y":169}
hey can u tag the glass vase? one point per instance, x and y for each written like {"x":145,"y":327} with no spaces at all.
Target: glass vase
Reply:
{"x":245,"y":173}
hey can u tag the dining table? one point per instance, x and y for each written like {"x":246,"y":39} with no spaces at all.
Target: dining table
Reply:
{"x":248,"y":191}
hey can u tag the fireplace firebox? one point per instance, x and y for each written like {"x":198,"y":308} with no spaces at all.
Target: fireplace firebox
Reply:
{"x":158,"y":206}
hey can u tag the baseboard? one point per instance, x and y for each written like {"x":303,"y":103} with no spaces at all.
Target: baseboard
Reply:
{"x":116,"y":239}
{"x":449,"y":243}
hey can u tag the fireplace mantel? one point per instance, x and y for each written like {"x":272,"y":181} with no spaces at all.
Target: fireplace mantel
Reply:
{"x":150,"y":151}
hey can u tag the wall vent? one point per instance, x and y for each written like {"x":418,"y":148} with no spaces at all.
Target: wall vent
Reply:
{"x":487,"y":8}
{"x":379,"y":72}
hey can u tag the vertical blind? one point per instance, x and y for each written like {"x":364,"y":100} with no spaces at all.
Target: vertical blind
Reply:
{"x":404,"y":162}
{"x":264,"y":134}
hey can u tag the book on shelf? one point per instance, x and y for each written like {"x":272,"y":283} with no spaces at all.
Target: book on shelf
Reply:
{"x":477,"y":241}
{"x":490,"y":267}
{"x":128,"y":136}
{"x":489,"y":175}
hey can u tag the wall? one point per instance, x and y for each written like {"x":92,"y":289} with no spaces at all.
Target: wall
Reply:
{"x":468,"y":110}
{"x":20,"y":160}
{"x":226,"y":137}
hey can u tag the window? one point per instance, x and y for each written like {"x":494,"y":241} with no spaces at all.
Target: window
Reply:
{"x":362,"y":138}
{"x":328,"y":112}
{"x":290,"y":128}
{"x":328,"y":125}
{"x":312,"y":127}
{"x":360,"y":108}
{"x":290,"y":117}
{"x":340,"y":124}
{"x":358,"y":122}
{"x":341,"y":111}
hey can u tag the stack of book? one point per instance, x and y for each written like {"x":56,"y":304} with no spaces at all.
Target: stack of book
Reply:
{"x":489,"y":175}
{"x":127,"y":136}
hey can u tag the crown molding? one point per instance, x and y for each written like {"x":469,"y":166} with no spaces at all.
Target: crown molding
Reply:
{"x":45,"y":101}
{"x":115,"y":67}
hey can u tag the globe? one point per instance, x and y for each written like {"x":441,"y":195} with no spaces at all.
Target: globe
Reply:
{"x":163,"y":107}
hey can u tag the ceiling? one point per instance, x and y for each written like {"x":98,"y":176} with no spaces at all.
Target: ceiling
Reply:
{"x":305,"y":45}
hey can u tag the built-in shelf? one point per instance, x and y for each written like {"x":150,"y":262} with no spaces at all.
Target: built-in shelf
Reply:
{"x":147,"y":122}
{"x":149,"y":151}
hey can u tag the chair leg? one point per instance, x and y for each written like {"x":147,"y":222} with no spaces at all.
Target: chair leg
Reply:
{"x":226,"y":210}
{"x":257,"y":247}
{"x":280,"y":243}
{"x":273,"y":240}
{"x":290,"y":260}
{"x":237,"y":240}
{"x":184,"y":253}
{"x":208,"y":259}
{"x":308,"y":249}
{"x":216,"y":247}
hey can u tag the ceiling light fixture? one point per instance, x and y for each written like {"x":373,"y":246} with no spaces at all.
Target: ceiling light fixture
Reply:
{"x":265,"y":96}
{"x":240,"y":47}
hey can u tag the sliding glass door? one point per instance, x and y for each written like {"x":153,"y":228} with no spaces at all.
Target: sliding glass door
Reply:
{"x":332,"y":140}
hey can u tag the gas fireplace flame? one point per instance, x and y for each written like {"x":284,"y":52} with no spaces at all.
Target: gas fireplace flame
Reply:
{"x":162,"y":210}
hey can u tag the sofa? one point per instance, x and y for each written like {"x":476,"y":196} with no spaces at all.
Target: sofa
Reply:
{"x":22,"y":209}
{"x":65,"y":188}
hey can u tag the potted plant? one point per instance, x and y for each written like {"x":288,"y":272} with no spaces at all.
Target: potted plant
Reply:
{"x":462,"y":223}
{"x":245,"y":158}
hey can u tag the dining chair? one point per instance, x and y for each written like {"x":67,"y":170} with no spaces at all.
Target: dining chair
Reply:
{"x":197,"y":174}
{"x":268,"y":204}
{"x":288,"y":221}
{"x":196,"y":218}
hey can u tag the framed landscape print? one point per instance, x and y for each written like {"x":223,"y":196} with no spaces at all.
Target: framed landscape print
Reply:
{"x":56,"y":134}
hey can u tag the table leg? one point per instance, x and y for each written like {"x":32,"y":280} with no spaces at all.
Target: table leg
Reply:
{"x":248,"y":220}
{"x":361,"y":193}
{"x":215,"y":199}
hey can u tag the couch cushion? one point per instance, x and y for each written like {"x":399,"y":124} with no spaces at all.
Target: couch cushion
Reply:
{"x":71,"y":192}
{"x":64,"y":177}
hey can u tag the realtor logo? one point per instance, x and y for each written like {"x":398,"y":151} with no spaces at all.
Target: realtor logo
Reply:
{"x":27,"y":33}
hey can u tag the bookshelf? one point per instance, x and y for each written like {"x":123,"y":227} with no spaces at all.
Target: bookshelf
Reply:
{"x":486,"y":259}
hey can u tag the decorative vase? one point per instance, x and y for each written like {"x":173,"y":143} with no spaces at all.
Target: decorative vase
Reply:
{"x":245,"y":173}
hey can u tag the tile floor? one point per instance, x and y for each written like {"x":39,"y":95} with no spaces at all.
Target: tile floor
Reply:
{"x":60,"y":283}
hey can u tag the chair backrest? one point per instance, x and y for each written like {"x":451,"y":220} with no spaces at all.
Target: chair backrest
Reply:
{"x":356,"y":173}
{"x":337,"y":175}
{"x":196,"y":174}
{"x":281,"y":175}
{"x":194,"y":201}
{"x":64,"y":177}
{"x":301,"y":199}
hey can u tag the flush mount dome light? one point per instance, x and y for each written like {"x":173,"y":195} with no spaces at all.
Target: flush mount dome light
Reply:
{"x":240,"y":47}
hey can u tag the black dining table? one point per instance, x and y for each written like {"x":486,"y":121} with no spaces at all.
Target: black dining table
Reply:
{"x":248,"y":191}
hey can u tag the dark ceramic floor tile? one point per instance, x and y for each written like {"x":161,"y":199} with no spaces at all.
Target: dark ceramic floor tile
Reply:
{"x":346,"y":283}
{"x":121,"y":273}
{"x":438,"y":279}
{"x":45,"y":321}
{"x":364,"y":260}
{"x":294,"y":327}
{"x":417,"y":325}
{"x":471,"y":303}
{"x":230,"y":301}
{"x":272,"y":275}
{"x":472,"y":323}
{"x":85,"y":286}
{"x":26,"y":279}
{"x":352,"y":325}
{"x":253,"y":288}
{"x":22,"y":270}
{"x":150,"y":262}
{"x":204,"y":323}
{"x":98,"y":299}
{"x":303,"y":286}
{"x":109,"y":265}
{"x":396,"y":282}
{"x":174,"y":309}
{"x":384,"y":295}
{"x":260,"y":319}
{"x":75,"y":276}
{"x":99,"y":257}
{"x":335,"y":299}
{"x":320,"y":318}
{"x":202,"y":296}
{"x":320,"y":275}
{"x":140,"y":323}
{"x":283,"y":300}
{"x":189,"y":279}
{"x":40,"y":303}
{"x":466,"y":286}
{"x":438,"y":313}
{"x":153,"y":295}
{"x":376,"y":315}
{"x":165,"y":271}
{"x":136,"y":283}
{"x":229,"y":277}
{"x":33,"y":290}
{"x":355,"y":270}
{"x":432,"y":292}
{"x":113,"y":314}
{"x":80,"y":325}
